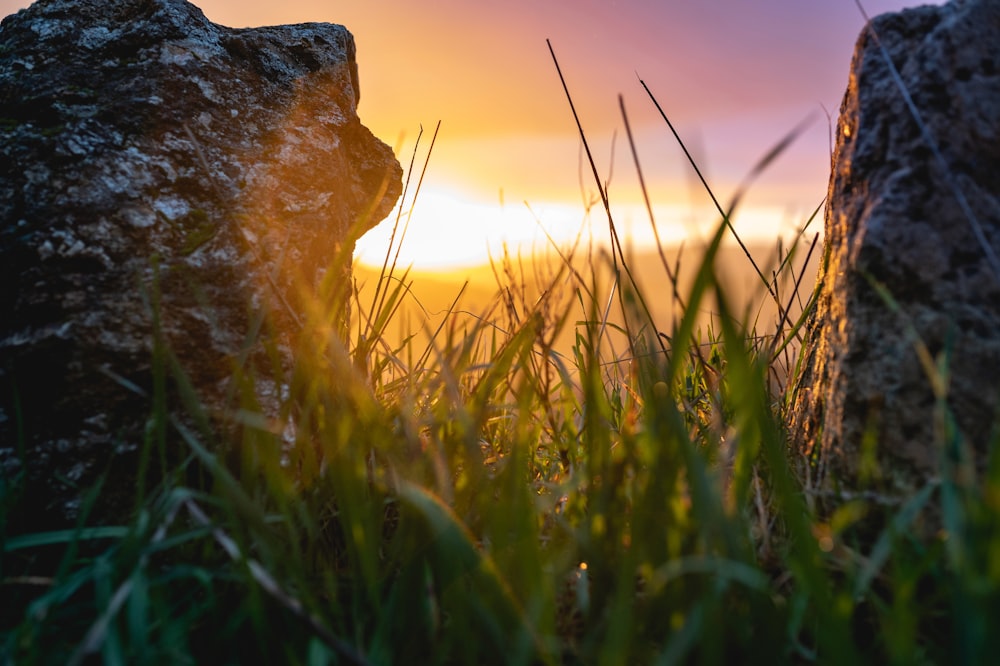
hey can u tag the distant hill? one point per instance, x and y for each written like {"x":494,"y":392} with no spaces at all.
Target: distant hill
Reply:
{"x":504,"y":295}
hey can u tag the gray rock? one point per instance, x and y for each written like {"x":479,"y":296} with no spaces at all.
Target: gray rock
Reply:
{"x":866,"y":410}
{"x":149,"y":155}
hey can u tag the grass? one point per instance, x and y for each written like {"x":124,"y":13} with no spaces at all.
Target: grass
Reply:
{"x":473,"y":495}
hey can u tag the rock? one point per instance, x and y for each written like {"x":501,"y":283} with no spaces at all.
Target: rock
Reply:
{"x":149,"y":156}
{"x":866,"y":410}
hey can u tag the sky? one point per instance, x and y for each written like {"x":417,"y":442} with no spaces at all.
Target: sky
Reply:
{"x":733,"y":76}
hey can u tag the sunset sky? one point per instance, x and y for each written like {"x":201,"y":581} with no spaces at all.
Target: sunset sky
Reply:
{"x":733,"y":75}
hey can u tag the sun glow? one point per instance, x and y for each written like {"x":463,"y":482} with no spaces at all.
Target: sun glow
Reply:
{"x":449,"y":229}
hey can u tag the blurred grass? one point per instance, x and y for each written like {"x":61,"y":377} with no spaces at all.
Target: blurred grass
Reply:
{"x":591,"y":469}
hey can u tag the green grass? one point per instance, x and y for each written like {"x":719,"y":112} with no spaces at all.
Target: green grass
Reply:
{"x":481,"y":497}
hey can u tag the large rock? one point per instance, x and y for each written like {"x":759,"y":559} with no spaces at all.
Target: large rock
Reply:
{"x":147,"y":154}
{"x":866,"y":409}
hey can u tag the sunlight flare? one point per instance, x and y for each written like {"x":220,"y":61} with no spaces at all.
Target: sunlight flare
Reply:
{"x":449,"y":229}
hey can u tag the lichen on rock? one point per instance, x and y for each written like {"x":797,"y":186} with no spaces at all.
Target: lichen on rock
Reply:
{"x":148,"y":156}
{"x":900,"y":370}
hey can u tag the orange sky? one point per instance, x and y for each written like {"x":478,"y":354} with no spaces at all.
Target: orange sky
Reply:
{"x":734,"y":76}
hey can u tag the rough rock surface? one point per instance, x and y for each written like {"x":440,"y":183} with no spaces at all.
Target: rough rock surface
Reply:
{"x":894,"y":218}
{"x":147,"y":154}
